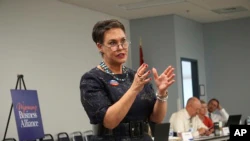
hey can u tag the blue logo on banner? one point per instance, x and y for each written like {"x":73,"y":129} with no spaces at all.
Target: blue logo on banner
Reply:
{"x":27,"y":114}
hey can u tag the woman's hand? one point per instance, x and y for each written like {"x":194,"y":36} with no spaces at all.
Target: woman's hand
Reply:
{"x":141,"y":78}
{"x":165,"y":80}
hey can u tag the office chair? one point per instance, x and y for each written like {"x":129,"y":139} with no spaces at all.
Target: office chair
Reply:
{"x":47,"y":137}
{"x":63,"y":136}
{"x":88,"y":134}
{"x":77,"y":136}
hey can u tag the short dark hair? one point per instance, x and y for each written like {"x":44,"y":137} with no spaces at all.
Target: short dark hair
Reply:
{"x":214,"y":99}
{"x":102,"y":26}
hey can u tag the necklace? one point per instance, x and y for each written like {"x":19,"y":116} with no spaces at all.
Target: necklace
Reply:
{"x":107,"y":70}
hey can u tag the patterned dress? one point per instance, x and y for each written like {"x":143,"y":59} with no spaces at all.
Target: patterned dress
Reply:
{"x":98,"y":94}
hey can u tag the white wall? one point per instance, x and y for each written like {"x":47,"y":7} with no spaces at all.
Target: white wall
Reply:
{"x":50,"y":43}
{"x":227,"y":49}
{"x":189,"y":44}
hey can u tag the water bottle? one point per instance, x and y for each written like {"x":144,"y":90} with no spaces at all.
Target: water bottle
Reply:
{"x":220,"y":127}
{"x":248,"y":120}
{"x":171,"y":132}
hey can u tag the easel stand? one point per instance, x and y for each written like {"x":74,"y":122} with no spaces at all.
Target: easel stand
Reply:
{"x":19,"y":83}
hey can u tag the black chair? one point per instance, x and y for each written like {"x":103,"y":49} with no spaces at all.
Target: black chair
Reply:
{"x":47,"y":137}
{"x":88,"y":134}
{"x":77,"y":136}
{"x":9,"y":139}
{"x":63,"y":136}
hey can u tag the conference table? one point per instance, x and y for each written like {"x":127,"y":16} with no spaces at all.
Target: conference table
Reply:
{"x":204,"y":138}
{"x":213,"y":138}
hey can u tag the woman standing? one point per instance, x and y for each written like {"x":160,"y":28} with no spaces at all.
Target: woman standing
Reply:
{"x":119,"y":101}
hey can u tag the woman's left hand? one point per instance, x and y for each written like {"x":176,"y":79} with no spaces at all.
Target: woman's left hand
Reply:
{"x":165,"y":80}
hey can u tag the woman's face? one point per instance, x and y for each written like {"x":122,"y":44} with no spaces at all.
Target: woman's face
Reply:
{"x":203,"y":109}
{"x":115,"y":46}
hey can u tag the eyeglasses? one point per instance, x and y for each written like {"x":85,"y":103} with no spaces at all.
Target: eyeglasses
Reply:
{"x":114,"y":45}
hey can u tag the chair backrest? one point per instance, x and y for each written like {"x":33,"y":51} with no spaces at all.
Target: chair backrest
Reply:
{"x":161,"y":132}
{"x":47,"y":137}
{"x":9,"y":139}
{"x":88,"y":134}
{"x":77,"y":136}
{"x":63,"y":136}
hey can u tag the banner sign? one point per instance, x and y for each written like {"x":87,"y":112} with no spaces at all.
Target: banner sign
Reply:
{"x":27,"y":114}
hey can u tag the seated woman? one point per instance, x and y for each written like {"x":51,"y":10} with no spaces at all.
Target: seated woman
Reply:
{"x":206,"y":120}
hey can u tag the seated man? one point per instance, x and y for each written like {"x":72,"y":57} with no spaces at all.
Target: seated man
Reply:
{"x":214,"y":105}
{"x":186,"y":120}
{"x":206,"y":120}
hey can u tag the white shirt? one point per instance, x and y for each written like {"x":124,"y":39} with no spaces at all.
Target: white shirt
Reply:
{"x":182,"y":122}
{"x":222,"y":115}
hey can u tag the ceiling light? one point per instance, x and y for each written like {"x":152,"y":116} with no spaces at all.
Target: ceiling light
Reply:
{"x":230,"y":10}
{"x":148,"y":3}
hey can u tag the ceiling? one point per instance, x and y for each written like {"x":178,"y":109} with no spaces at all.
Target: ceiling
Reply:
{"x":198,"y":10}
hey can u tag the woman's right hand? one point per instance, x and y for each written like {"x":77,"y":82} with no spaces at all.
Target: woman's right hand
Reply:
{"x":141,"y":78}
